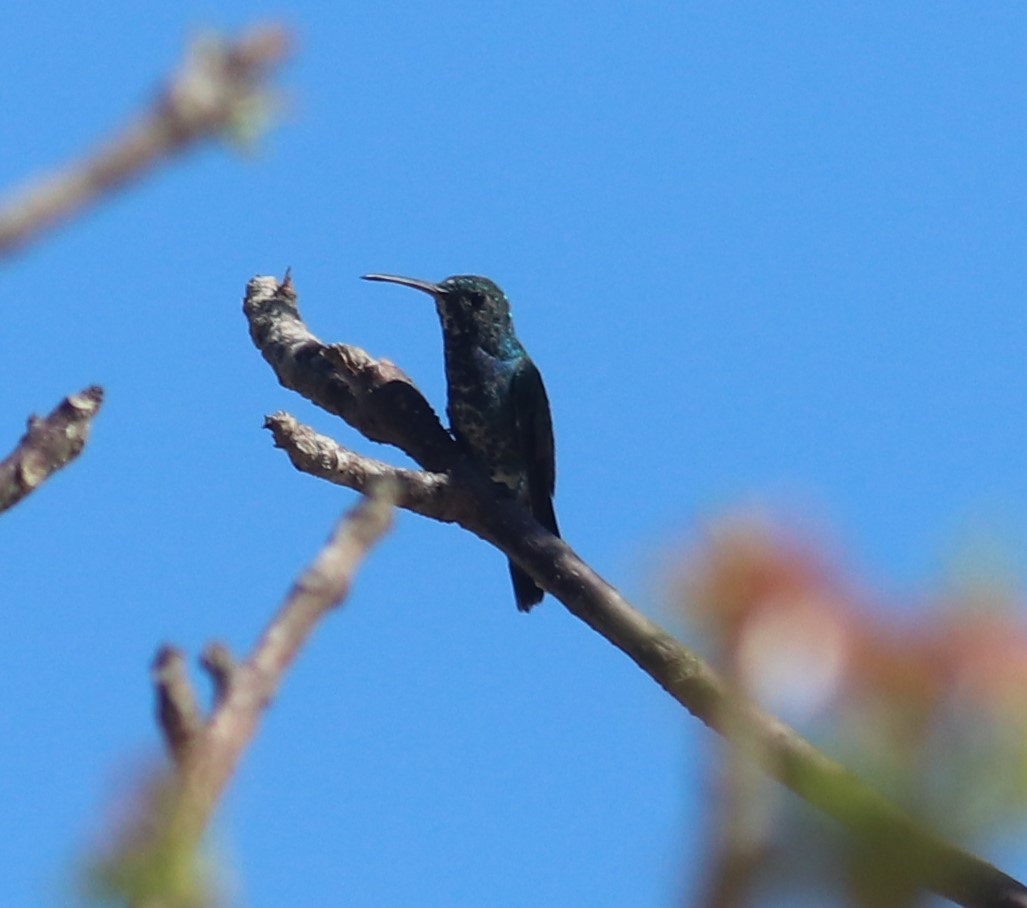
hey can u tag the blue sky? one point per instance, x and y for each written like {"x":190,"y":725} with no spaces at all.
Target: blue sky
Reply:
{"x":760,"y":252}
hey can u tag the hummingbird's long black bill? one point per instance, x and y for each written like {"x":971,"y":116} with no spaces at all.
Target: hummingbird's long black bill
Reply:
{"x":424,"y":286}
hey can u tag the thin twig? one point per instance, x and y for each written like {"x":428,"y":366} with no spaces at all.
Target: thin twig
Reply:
{"x":51,"y":442}
{"x":219,"y":88}
{"x":465,"y":497}
{"x":427,"y":494}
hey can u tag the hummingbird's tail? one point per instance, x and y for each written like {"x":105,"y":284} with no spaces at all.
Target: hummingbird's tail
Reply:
{"x":526,"y":591}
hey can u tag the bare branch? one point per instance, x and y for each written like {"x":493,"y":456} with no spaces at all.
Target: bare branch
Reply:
{"x":155,"y":860}
{"x":217,"y":89}
{"x":468,"y":499}
{"x":49,"y":444}
{"x":374,"y":396}
{"x":210,"y":760}
{"x":428,"y":494}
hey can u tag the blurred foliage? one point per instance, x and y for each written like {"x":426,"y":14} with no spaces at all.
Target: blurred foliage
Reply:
{"x":926,"y":704}
{"x":143,"y":861}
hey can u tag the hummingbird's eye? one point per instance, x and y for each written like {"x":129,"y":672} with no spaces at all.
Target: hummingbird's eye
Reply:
{"x":477,"y":300}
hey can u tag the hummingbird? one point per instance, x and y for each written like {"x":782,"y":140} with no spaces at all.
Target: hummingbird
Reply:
{"x":496,"y":403}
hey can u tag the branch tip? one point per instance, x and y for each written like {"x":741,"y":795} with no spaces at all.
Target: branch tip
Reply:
{"x":217,"y":661}
{"x":50,"y":443}
{"x":178,"y":712}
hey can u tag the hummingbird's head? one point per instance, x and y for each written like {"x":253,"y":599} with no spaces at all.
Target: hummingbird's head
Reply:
{"x":468,"y":305}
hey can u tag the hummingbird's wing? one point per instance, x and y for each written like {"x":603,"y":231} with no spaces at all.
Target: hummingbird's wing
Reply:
{"x":534,"y":430}
{"x":535,"y":439}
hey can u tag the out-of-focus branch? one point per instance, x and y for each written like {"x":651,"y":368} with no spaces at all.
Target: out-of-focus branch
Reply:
{"x":154,"y":860}
{"x":206,"y":764}
{"x":346,"y":385}
{"x":218,"y":88}
{"x":218,"y":663}
{"x":50,"y":443}
{"x":178,"y":710}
